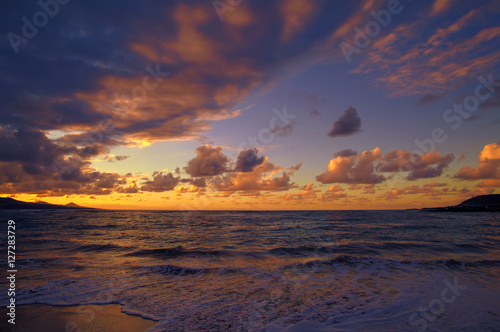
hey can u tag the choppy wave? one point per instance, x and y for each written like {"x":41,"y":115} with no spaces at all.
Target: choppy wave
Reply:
{"x":346,"y":260}
{"x":100,"y":248}
{"x":367,"y":249}
{"x":178,"y":252}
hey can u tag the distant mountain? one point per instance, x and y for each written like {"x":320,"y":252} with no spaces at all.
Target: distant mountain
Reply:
{"x":483,"y":203}
{"x":12,"y":204}
{"x":73,"y":205}
{"x":41,"y":202}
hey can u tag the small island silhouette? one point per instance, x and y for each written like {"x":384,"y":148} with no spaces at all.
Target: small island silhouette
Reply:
{"x":8,"y":203}
{"x":483,"y":203}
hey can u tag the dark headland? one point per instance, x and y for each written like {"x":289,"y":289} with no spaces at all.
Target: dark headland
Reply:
{"x":483,"y":203}
{"x":12,"y":204}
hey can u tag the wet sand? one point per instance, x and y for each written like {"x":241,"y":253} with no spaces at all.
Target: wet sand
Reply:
{"x":45,"y":318}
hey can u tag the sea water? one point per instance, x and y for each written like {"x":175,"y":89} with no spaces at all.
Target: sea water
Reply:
{"x":266,"y":270}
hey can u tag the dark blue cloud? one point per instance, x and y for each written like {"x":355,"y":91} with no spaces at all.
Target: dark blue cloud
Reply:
{"x":348,"y":124}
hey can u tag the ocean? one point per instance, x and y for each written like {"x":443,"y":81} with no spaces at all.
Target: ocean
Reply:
{"x":265,"y":270}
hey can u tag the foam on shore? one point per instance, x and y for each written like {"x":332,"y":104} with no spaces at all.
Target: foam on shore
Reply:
{"x":43,"y":317}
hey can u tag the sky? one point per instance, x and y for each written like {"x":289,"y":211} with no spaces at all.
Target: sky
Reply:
{"x":250,"y":105}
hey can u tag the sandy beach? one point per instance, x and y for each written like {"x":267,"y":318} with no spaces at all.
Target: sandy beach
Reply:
{"x":47,"y":318}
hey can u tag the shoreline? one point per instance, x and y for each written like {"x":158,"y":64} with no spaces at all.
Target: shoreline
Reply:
{"x":102,"y":317}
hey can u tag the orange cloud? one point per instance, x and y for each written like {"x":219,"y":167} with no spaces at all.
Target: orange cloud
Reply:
{"x":488,"y":166}
{"x":362,"y":14}
{"x":208,"y":162}
{"x":440,"y":6}
{"x":427,"y":189}
{"x":430,"y":164}
{"x":161,"y":182}
{"x":332,"y":196}
{"x":307,"y":192}
{"x":468,"y":193}
{"x":296,"y":14}
{"x":407,"y":65}
{"x":261,"y":178}
{"x":335,"y":188}
{"x":490,"y":183}
{"x":241,"y":17}
{"x":353,"y":169}
{"x":349,"y":167}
